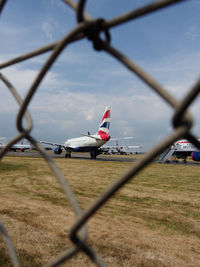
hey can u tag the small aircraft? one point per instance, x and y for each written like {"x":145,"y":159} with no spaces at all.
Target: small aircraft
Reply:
{"x":16,"y":147}
{"x":86,"y":143}
{"x":181,"y":150}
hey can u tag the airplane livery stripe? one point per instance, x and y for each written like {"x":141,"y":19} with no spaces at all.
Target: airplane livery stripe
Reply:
{"x":105,"y":125}
{"x":106,"y":115}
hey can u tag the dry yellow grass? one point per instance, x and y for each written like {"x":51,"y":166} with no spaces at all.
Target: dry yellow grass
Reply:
{"x":153,"y":221}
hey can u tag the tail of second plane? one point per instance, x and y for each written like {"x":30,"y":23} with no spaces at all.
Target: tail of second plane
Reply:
{"x":104,"y":126}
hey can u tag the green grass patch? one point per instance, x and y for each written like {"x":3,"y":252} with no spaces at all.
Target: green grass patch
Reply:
{"x":171,"y":225}
{"x":10,"y":166}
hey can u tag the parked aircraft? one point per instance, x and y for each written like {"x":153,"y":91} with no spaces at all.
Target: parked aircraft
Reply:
{"x":21,"y":147}
{"x":184,"y":149}
{"x":181,"y":150}
{"x":16,"y":147}
{"x":87,"y":143}
{"x":119,"y":149}
{"x":1,"y":142}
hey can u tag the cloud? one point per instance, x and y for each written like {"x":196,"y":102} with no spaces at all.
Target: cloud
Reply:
{"x":90,"y":114}
{"x":22,"y":79}
{"x":49,"y":28}
{"x":192,"y":33}
{"x":7,"y":29}
{"x":69,"y":114}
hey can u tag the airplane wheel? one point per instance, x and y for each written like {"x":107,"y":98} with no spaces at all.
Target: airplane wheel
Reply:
{"x":93,"y":155}
{"x":68,"y":155}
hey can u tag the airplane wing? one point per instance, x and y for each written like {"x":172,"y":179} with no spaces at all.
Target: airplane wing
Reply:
{"x":69,"y":148}
{"x":51,"y":144}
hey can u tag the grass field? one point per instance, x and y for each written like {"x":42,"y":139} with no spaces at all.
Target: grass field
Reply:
{"x":153,"y":221}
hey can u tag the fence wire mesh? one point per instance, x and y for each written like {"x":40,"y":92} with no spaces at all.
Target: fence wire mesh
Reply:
{"x":90,"y":28}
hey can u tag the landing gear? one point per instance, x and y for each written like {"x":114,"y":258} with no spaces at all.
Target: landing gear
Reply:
{"x":68,"y":155}
{"x":93,"y":155}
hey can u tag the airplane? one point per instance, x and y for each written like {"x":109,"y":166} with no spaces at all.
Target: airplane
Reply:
{"x":16,"y":147}
{"x":119,"y":149}
{"x":86,"y":143}
{"x":181,"y":150}
{"x":184,"y":149}
{"x":21,"y":147}
{"x":2,"y":143}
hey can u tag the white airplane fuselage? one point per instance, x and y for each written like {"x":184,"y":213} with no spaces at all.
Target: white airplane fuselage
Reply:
{"x":185,"y":145}
{"x":184,"y":149}
{"x":15,"y":147}
{"x":20,"y":147}
{"x":84,"y":144}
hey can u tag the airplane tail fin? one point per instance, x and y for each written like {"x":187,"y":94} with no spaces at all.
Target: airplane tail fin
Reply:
{"x":104,"y":126}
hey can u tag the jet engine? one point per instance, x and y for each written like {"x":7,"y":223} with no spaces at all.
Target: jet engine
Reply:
{"x":195,"y":156}
{"x":57,"y":150}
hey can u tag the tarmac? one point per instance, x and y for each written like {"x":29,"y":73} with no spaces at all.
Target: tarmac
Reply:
{"x":83,"y":156}
{"x":86,"y":156}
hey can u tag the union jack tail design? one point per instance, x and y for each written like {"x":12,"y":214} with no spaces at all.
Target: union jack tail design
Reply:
{"x":103,"y":131}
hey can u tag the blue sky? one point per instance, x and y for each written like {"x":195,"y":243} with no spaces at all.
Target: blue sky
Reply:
{"x":73,"y":95}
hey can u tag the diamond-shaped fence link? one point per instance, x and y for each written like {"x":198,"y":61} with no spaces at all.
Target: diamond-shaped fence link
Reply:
{"x":89,"y":28}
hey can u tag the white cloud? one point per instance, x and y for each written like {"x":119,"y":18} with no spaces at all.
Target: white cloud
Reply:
{"x":69,"y":114}
{"x":49,"y":27}
{"x":7,"y":29}
{"x":22,"y":79}
{"x":90,"y":114}
{"x":192,"y":33}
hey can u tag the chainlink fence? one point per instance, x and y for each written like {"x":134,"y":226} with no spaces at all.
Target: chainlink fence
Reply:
{"x":89,"y":28}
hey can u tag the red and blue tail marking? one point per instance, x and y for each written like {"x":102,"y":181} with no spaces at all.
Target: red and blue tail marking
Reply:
{"x":103,"y":131}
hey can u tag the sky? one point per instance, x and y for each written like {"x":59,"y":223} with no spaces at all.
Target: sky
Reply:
{"x":72,"y":97}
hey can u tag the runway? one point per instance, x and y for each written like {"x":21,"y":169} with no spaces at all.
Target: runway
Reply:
{"x":82,"y":156}
{"x":102,"y":157}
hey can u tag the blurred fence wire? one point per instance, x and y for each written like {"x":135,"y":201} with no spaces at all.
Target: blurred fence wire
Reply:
{"x":90,"y":28}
